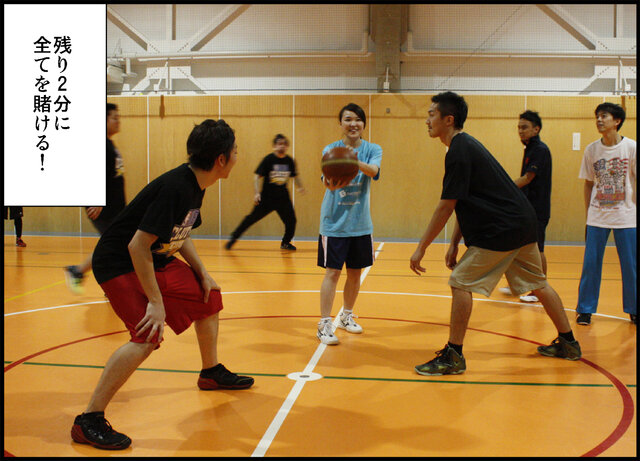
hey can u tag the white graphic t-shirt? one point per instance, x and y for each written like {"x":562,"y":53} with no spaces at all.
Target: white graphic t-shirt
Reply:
{"x":613,"y":172}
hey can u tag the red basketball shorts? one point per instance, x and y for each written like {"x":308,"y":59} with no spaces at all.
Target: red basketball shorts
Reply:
{"x":182,"y":295}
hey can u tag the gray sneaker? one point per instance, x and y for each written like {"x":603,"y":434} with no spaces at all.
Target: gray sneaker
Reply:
{"x":562,"y":348}
{"x":447,"y":362}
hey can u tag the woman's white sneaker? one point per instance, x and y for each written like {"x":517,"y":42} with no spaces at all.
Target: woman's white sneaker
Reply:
{"x":325,"y":333}
{"x":346,"y":322}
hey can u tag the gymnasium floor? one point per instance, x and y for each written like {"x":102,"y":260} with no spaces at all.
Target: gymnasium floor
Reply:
{"x":366,"y":401}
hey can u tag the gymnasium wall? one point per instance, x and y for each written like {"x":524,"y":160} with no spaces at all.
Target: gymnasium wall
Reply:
{"x":580,"y":49}
{"x":154,"y":130}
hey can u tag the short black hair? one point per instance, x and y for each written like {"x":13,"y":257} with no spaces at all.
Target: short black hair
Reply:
{"x":533,"y":117}
{"x":280,"y":136}
{"x":356,"y":109}
{"x":616,"y":111}
{"x":450,"y":103}
{"x":208,"y":141}
{"x":110,"y":107}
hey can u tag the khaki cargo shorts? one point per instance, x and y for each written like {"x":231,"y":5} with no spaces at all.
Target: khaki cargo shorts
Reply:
{"x":479,"y":270}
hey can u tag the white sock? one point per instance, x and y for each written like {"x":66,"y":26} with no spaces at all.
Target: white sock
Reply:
{"x":346,"y":312}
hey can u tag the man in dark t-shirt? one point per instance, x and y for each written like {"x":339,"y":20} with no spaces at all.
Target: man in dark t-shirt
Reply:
{"x":535,"y":181}
{"x":276,"y":169}
{"x":146,"y":285}
{"x":498,"y":225}
{"x":101,"y":217}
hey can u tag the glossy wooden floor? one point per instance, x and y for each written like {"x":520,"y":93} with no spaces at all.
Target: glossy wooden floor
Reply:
{"x":368,"y":400}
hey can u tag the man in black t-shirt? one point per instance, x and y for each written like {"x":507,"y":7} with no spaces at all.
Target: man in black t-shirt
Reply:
{"x":146,"y":285}
{"x":276,"y":169}
{"x":535,"y":182}
{"x":498,"y":225}
{"x":101,"y":217}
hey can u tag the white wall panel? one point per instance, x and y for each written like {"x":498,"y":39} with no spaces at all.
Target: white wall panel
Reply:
{"x":489,"y":75}
{"x":294,"y":27}
{"x":480,"y":27}
{"x":596,"y":18}
{"x":628,"y":27}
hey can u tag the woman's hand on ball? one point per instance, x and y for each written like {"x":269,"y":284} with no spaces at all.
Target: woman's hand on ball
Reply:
{"x":334,"y":184}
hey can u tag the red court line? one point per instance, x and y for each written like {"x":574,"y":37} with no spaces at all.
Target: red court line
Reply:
{"x":627,"y":412}
{"x":627,"y":400}
{"x":24,"y":359}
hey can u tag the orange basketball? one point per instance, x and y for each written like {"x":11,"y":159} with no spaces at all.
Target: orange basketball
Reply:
{"x":340,"y":164}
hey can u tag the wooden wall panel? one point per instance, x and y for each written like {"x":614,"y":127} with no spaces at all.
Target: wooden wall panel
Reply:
{"x":171,"y":120}
{"x":410,"y":183}
{"x":402,"y":201}
{"x":255,"y":120}
{"x":630,"y":126}
{"x":493,"y":120}
{"x":47,"y":219}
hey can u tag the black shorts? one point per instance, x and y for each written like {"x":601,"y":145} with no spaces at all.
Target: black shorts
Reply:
{"x":542,"y":226}
{"x":356,"y":252}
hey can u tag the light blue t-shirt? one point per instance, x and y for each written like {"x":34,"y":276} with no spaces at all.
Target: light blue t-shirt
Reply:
{"x":345,"y":212}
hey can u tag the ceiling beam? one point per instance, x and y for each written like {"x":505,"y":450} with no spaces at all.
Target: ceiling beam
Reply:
{"x":170,"y":21}
{"x":217,"y":25}
{"x":388,"y":24}
{"x":127,"y":28}
{"x":571,"y":25}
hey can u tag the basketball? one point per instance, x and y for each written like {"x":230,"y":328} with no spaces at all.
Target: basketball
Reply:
{"x":340,"y":164}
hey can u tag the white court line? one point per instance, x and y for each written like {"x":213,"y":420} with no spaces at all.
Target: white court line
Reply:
{"x":274,"y":427}
{"x":54,"y":307}
{"x":317,"y":291}
{"x":106,"y":301}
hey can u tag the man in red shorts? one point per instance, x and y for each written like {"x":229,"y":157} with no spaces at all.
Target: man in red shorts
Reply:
{"x":147,"y":286}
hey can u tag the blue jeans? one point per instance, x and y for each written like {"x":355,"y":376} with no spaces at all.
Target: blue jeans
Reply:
{"x":589,"y":290}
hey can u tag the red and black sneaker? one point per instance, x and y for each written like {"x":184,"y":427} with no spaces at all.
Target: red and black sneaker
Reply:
{"x":219,"y":377}
{"x":93,"y":429}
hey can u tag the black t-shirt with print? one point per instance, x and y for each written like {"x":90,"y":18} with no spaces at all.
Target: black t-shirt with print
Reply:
{"x":276,"y":172}
{"x":537,"y":159}
{"x":492,"y":211}
{"x":169,"y":207}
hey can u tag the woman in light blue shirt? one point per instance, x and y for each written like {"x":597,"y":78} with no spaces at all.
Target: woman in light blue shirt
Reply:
{"x":346,"y":229}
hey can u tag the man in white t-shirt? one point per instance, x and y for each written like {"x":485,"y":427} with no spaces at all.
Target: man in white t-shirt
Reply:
{"x":609,"y":170}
